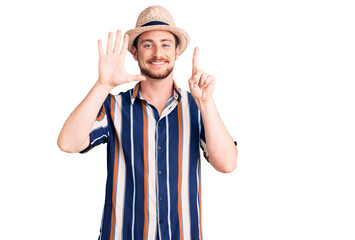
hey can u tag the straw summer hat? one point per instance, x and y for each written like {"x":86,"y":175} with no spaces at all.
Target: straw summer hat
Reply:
{"x":157,"y":18}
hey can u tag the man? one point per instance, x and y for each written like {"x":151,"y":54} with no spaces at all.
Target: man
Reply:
{"x":153,"y":134}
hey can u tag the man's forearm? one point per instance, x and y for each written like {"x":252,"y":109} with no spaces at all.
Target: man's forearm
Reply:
{"x":74,"y":135}
{"x":220,"y":145}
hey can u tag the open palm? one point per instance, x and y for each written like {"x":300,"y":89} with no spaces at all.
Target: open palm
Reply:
{"x":111,"y":64}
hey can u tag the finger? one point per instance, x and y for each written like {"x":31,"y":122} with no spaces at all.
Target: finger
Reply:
{"x":195,"y":61}
{"x":117,"y":42}
{"x":136,"y":78}
{"x":99,"y":45}
{"x":202,"y":82}
{"x":109,"y":43}
{"x":124,"y":45}
{"x":209,"y":81}
{"x":195,"y":79}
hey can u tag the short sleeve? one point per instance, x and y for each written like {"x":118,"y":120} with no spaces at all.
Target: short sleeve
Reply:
{"x":100,"y":131}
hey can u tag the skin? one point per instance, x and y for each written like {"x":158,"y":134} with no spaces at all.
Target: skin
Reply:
{"x":156,"y":56}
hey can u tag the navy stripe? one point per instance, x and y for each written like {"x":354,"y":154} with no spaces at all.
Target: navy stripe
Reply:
{"x":152,"y":23}
{"x":139,"y":168}
{"x":126,"y":146}
{"x":162,"y":173}
{"x":173,"y":173}
{"x":194,"y":155}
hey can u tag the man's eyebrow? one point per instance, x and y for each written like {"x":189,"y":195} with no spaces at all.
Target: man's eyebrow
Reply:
{"x":161,"y":40}
{"x":166,"y":40}
{"x":146,"y":40}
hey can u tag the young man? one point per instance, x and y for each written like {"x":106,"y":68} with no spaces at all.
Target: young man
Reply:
{"x":153,"y":134}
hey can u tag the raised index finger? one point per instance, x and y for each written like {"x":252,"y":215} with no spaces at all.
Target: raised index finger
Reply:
{"x":195,"y":61}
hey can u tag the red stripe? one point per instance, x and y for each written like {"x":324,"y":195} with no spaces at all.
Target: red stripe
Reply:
{"x":145,"y":156}
{"x":136,"y":90}
{"x":114,"y":182}
{"x":102,"y":114}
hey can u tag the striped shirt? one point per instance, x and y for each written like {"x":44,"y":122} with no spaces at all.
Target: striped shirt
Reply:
{"x":153,"y":188}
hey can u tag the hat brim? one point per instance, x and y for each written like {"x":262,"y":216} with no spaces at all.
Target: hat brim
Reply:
{"x":181,"y":34}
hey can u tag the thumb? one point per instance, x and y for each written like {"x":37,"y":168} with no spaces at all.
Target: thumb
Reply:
{"x":136,"y":78}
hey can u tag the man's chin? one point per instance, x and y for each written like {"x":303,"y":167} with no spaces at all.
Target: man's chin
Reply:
{"x":156,"y":75}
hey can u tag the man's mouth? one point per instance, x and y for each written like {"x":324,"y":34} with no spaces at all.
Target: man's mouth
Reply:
{"x":158,"y":62}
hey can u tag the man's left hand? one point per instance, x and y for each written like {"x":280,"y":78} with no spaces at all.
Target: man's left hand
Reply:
{"x":201,"y":84}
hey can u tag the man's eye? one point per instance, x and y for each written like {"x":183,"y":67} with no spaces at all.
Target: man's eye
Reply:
{"x":147,"y":45}
{"x":166,"y":45}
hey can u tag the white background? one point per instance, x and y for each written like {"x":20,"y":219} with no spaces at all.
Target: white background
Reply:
{"x":285,"y":75}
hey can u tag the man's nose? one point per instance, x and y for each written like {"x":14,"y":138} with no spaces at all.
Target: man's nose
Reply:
{"x":158,"y":52}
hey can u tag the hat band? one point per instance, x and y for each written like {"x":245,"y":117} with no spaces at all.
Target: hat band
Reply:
{"x":154,"y":23}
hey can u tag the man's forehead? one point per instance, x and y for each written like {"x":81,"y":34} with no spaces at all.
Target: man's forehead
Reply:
{"x":156,"y":35}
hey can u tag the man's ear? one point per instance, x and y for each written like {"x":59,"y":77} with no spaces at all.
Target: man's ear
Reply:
{"x":134,"y":53}
{"x":177,"y":54}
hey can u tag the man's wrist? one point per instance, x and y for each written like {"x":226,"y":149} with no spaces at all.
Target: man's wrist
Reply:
{"x":205,"y":105}
{"x":104,"y":86}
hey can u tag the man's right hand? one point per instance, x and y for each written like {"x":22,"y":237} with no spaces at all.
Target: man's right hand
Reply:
{"x":75,"y":134}
{"x":111,"y":64}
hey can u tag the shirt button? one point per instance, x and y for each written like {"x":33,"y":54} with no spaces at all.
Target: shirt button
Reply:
{"x":159,"y":147}
{"x":160,"y":172}
{"x":160,"y":198}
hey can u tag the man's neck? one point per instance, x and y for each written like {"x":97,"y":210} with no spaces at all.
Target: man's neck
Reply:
{"x":157,"y":91}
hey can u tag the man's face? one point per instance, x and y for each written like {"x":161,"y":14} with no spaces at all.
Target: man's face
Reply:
{"x":156,"y":54}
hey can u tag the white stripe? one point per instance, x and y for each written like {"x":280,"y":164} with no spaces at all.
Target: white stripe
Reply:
{"x":152,"y":198}
{"x":198,"y":189}
{"x":121,"y":174}
{"x":185,"y":168}
{"x":96,"y":139}
{"x":167,"y":173}
{"x":133,"y":174}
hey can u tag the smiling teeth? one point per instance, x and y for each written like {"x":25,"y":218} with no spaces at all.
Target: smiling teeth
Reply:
{"x":158,"y":63}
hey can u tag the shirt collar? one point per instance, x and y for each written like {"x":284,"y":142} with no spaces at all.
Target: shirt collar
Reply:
{"x":135,"y":93}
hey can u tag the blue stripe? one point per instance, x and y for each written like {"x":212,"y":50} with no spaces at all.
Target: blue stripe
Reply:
{"x":154,"y":23}
{"x":126,"y":146}
{"x":162,"y":184}
{"x":194,"y":154}
{"x":173,"y":172}
{"x":139,"y":168}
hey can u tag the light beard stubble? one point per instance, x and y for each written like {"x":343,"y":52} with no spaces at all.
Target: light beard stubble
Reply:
{"x":153,"y":75}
